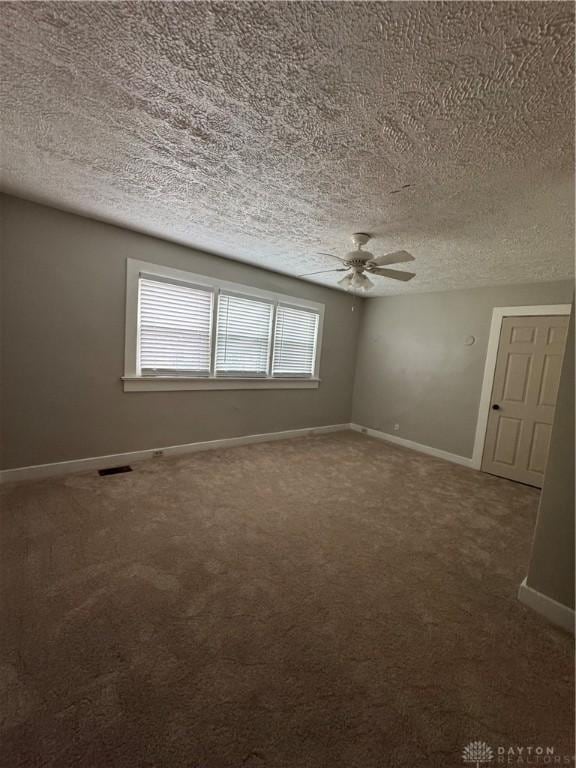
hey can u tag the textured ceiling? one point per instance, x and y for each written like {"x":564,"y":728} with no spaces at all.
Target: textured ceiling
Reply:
{"x":268,"y":131}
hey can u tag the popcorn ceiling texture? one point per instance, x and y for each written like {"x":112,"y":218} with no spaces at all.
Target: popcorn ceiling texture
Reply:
{"x":268,"y":131}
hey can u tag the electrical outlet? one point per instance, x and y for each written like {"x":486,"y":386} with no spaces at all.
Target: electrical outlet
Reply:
{"x":396,"y":427}
{"x":157,"y":454}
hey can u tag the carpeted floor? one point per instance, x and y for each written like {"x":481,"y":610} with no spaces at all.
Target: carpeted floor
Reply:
{"x":325,"y":602}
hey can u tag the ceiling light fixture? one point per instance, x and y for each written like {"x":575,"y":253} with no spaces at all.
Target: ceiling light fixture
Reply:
{"x":356,"y":280}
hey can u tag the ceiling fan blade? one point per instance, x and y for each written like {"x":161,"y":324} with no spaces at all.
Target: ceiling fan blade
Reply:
{"x":323,"y":271}
{"x":394,"y":274}
{"x":398,"y":257}
{"x":332,"y":255}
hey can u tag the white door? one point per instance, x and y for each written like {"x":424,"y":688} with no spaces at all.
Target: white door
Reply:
{"x":524,"y":395}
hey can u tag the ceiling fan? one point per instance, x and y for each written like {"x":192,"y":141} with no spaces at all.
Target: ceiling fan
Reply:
{"x":358,"y":262}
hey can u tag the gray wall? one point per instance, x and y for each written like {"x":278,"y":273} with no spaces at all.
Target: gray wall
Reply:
{"x":62,"y":320}
{"x":551,"y":569}
{"x":413,"y":368}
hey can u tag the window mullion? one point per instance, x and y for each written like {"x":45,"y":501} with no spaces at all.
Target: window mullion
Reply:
{"x":214,"y":332}
{"x":272,"y":337}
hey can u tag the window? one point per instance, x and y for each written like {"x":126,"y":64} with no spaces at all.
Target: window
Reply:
{"x":175,"y":325}
{"x":243,"y":336}
{"x":294,"y":342}
{"x":186,"y":331}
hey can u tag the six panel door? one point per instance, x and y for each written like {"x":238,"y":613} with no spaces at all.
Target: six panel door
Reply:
{"x":524,"y":395}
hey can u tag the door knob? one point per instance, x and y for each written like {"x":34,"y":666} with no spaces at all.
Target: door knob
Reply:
{"x":495,"y":407}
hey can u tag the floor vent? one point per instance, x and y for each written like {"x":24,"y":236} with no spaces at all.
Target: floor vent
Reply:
{"x":114,"y":470}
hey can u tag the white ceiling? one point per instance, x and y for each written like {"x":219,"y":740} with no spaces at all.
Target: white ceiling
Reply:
{"x":266,"y":132}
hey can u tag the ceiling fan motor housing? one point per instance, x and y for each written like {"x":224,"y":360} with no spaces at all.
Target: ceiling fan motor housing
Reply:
{"x":356,"y":261}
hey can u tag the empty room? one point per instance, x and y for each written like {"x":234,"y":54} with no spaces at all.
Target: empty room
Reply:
{"x":287,"y":384}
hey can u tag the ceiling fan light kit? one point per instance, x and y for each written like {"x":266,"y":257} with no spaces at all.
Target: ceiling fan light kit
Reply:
{"x":356,"y":280}
{"x":359,"y":262}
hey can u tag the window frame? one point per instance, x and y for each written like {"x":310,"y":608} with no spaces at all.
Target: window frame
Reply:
{"x":317,"y":348}
{"x":216,"y":328}
{"x":173,"y":281}
{"x":134,"y":381}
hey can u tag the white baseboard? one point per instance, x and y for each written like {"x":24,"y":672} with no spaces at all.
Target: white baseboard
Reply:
{"x":453,"y":457}
{"x":557,"y":613}
{"x":40,"y":471}
{"x":59,"y":468}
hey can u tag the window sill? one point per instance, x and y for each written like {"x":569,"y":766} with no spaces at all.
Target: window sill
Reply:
{"x":176,"y":383}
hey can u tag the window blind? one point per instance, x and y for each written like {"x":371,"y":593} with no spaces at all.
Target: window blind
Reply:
{"x":294,"y":342}
{"x":243,"y":336}
{"x":175,"y":328}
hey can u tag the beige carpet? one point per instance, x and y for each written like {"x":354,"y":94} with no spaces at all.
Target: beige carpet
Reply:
{"x":322,"y":602}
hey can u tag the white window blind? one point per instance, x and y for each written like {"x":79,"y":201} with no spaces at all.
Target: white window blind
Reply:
{"x":243,"y":337}
{"x":294,"y":342}
{"x":175,"y":328}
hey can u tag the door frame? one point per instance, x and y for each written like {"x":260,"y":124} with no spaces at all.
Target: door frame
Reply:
{"x":498,"y":315}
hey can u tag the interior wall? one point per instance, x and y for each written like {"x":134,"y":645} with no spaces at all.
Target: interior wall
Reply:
{"x":551,"y":569}
{"x":62,"y":320}
{"x":415,"y":369}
